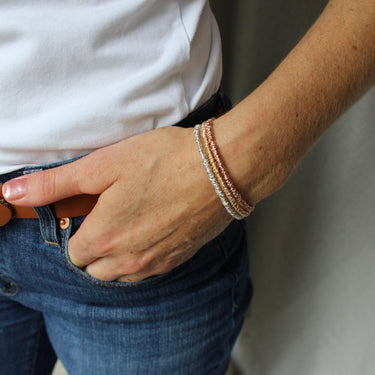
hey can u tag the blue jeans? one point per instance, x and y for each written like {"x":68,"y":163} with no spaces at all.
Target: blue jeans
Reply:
{"x":183,"y":322}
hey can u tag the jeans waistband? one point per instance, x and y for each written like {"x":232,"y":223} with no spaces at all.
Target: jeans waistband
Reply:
{"x":216,"y":106}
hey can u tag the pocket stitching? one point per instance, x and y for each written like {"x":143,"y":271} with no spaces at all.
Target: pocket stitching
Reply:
{"x":105,"y":284}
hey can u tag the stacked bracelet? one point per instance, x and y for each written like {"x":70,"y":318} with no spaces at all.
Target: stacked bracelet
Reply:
{"x":217,"y":174}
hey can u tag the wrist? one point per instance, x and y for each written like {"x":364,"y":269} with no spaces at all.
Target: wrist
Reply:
{"x":254,"y":153}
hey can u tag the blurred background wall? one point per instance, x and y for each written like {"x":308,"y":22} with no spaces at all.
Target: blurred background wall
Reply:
{"x":312,"y":244}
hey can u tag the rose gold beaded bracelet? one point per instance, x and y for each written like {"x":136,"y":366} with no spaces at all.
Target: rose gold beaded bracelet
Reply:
{"x":217,"y":171}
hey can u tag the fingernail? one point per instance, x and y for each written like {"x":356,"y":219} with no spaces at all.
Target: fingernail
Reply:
{"x":15,"y":189}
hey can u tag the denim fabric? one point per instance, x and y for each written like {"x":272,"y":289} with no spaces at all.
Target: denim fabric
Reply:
{"x":182,"y":322}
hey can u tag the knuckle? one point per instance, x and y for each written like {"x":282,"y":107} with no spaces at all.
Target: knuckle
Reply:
{"x":47,"y":182}
{"x":99,"y":247}
{"x":98,"y":274}
{"x":167,"y":266}
{"x":134,"y":268}
{"x":162,"y":270}
{"x":163,"y":265}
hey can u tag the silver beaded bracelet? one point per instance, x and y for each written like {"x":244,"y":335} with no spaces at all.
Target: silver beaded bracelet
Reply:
{"x":211,"y":176}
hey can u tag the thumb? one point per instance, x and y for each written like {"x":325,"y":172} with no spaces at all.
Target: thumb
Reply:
{"x":41,"y":188}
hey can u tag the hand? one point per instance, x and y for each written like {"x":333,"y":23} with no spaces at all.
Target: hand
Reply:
{"x":156,"y":208}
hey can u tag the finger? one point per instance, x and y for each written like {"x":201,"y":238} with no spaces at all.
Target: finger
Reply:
{"x":146,"y":273}
{"x":135,"y":278}
{"x":159,"y":265}
{"x":90,"y":241}
{"x":78,"y":262}
{"x":114,"y":267}
{"x":41,"y":188}
{"x":100,"y":234}
{"x":106,"y":269}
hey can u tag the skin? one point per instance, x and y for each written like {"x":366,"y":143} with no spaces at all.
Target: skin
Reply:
{"x":157,"y":207}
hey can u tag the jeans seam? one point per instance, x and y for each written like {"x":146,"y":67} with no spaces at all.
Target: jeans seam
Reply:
{"x":223,"y":246}
{"x":33,"y":366}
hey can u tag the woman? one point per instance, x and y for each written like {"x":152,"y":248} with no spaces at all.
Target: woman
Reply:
{"x":154,"y":279}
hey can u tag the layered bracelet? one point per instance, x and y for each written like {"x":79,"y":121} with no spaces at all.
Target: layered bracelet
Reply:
{"x":230,"y":197}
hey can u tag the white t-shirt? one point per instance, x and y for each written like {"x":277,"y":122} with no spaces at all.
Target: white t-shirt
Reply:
{"x":78,"y":75}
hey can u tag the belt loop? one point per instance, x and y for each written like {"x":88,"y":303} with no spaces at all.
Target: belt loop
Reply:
{"x":225,"y":101}
{"x":47,"y":224}
{"x":47,"y":221}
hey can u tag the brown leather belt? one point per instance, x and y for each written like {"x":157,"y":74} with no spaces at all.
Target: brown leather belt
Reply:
{"x":78,"y":205}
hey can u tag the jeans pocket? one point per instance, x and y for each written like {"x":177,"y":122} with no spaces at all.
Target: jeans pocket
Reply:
{"x":234,"y":247}
{"x":65,"y":235}
{"x":156,"y":280}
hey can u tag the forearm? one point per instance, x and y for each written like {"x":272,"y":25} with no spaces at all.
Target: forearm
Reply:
{"x":265,"y":136}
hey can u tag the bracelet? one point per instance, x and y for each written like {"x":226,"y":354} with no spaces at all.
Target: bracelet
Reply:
{"x":208,"y":126}
{"x":230,"y":197}
{"x":215,"y":166}
{"x":211,"y":176}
